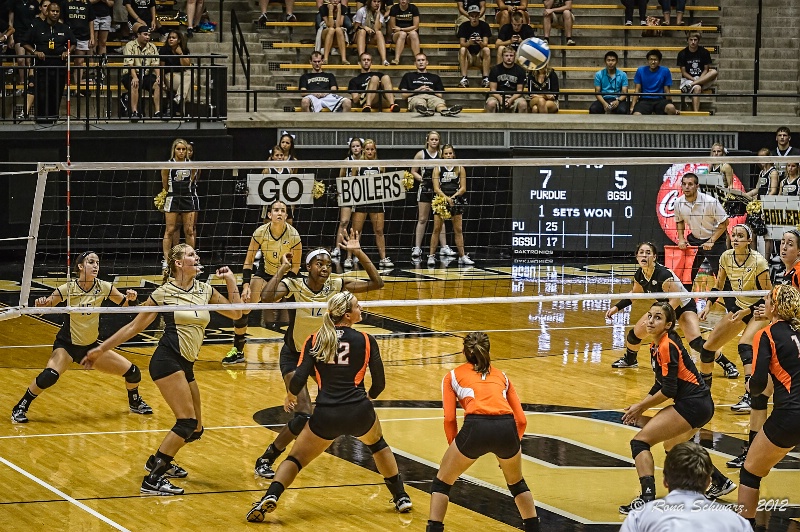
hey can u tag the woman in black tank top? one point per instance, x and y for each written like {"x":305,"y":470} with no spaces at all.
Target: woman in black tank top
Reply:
{"x":182,"y":203}
{"x":790,"y":185}
{"x":450,"y":182}
{"x":375,"y":210}
{"x":425,"y":195}
{"x":353,"y":153}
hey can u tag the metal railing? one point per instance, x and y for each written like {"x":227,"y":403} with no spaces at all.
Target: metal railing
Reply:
{"x":240,"y":50}
{"x":102,"y":92}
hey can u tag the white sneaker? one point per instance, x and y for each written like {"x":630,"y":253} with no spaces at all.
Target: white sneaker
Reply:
{"x":348,"y":263}
{"x":335,"y":253}
{"x":446,"y":251}
{"x":431,"y":261}
{"x":465,"y":260}
{"x":416,"y":253}
{"x":385,"y":263}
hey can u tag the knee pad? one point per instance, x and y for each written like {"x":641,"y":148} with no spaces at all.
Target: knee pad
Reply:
{"x":47,"y":378}
{"x":697,"y":344}
{"x":633,"y":339}
{"x":440,"y":486}
{"x":133,"y":375}
{"x":745,"y":353}
{"x":297,"y":423}
{"x":184,"y":427}
{"x":295,"y":461}
{"x":746,"y":478}
{"x":518,"y":488}
{"x":241,"y":323}
{"x":706,"y":355}
{"x":196,"y":435}
{"x":638,"y":446}
{"x":759,"y":402}
{"x":378,"y":446}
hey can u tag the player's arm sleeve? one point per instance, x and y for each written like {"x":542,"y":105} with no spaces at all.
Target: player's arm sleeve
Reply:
{"x":449,"y":405}
{"x":762,"y":347}
{"x":516,"y":407}
{"x":376,"y":370}
{"x":304,"y":367}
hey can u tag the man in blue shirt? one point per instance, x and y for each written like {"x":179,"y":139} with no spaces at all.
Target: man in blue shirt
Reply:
{"x":654,"y":81}
{"x":611,"y":89}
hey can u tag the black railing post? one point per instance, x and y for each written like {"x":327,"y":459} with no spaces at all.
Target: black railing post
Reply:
{"x":756,"y":60}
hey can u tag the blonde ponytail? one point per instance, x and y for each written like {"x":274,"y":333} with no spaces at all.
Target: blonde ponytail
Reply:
{"x":326,"y":343}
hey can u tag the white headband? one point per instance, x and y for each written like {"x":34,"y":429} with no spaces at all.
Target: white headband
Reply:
{"x":320,"y":251}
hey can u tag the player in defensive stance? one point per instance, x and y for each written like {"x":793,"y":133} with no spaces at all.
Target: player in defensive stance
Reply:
{"x":339,"y":356}
{"x":79,"y":334}
{"x":654,"y":277}
{"x":677,"y":378}
{"x":273,"y":240}
{"x":494,"y":422}
{"x":172,"y":365}
{"x":778,"y":357}
{"x":318,"y":287}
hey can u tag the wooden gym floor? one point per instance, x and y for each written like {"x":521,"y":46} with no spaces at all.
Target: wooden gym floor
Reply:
{"x":79,"y":462}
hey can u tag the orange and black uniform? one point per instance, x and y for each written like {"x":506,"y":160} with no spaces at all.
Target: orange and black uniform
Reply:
{"x":494,"y":421}
{"x":791,"y":276}
{"x":678,"y":379}
{"x":778,"y":354}
{"x":343,"y":406}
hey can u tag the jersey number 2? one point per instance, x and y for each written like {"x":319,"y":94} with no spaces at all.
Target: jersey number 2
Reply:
{"x":343,"y":356}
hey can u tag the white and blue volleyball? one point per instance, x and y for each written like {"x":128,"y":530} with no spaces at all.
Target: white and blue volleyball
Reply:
{"x":533,"y":54}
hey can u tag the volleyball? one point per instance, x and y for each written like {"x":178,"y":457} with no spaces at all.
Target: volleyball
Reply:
{"x":533,"y":53}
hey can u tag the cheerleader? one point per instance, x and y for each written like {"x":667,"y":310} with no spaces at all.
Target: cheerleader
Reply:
{"x":740,"y":269}
{"x":676,"y":378}
{"x":494,"y":422}
{"x":181,"y":202}
{"x":651,"y":276}
{"x":172,"y":364}
{"x":789,"y":185}
{"x":286,"y":143}
{"x":450,"y":182}
{"x":425,"y":194}
{"x":769,"y":179}
{"x":79,"y":333}
{"x":375,"y":210}
{"x":776,"y":347}
{"x":356,"y":145}
{"x":277,"y":153}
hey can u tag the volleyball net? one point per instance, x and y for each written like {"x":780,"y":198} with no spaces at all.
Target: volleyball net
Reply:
{"x":539,"y":230}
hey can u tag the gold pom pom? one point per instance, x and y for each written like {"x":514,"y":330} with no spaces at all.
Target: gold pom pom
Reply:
{"x":408,"y":180}
{"x":318,"y":190}
{"x":441,"y":207}
{"x":160,"y":199}
{"x":754,"y":207}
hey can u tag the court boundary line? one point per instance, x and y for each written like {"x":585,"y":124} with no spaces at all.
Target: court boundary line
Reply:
{"x":63,"y":495}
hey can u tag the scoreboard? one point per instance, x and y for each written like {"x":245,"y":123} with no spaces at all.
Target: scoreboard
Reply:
{"x":587,"y":208}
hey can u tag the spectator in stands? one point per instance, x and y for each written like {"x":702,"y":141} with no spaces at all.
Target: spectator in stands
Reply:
{"x":654,"y":81}
{"x":694,"y":62}
{"x":48,"y":40}
{"x":463,"y":8}
{"x":79,"y":16}
{"x":333,"y":18}
{"x":30,"y":90}
{"x":141,"y":12}
{"x":318,"y":85}
{"x":558,"y":14}
{"x":505,"y":10}
{"x":102,"y":25}
{"x":264,"y":4}
{"x":611,"y":88}
{"x":474,"y":36}
{"x":506,"y":83}
{"x":680,"y":6}
{"x":142,"y":74}
{"x":424,"y":90}
{"x":783,"y":136}
{"x":177,"y":77}
{"x":369,"y":80}
{"x":194,"y":12}
{"x":368,"y":28}
{"x":629,"y":5}
{"x":510,"y":35}
{"x":543,"y":89}
{"x":21,"y":14}
{"x":404,"y":26}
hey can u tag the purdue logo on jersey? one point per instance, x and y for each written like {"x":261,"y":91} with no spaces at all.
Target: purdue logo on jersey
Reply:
{"x":654,"y":282}
{"x":180,"y":175}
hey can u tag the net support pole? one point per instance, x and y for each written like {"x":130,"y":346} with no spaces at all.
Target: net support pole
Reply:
{"x":33,"y":235}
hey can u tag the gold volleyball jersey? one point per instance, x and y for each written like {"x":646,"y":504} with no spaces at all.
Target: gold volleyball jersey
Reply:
{"x":273,"y":248}
{"x":305,"y":321}
{"x":82,"y":329}
{"x":744,"y":276}
{"x":184,"y":330}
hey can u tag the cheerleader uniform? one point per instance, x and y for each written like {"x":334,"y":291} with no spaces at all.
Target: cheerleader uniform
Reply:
{"x":181,"y":191}
{"x":425,"y":190}
{"x":449,"y":183}
{"x":372,"y":207}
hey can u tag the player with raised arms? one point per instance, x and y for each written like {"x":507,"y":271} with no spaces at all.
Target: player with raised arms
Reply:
{"x":676,"y":378}
{"x":652,"y":277}
{"x":78,"y":334}
{"x":317,"y":287}
{"x":172,"y":364}
{"x":273,"y":240}
{"x":339,"y":357}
